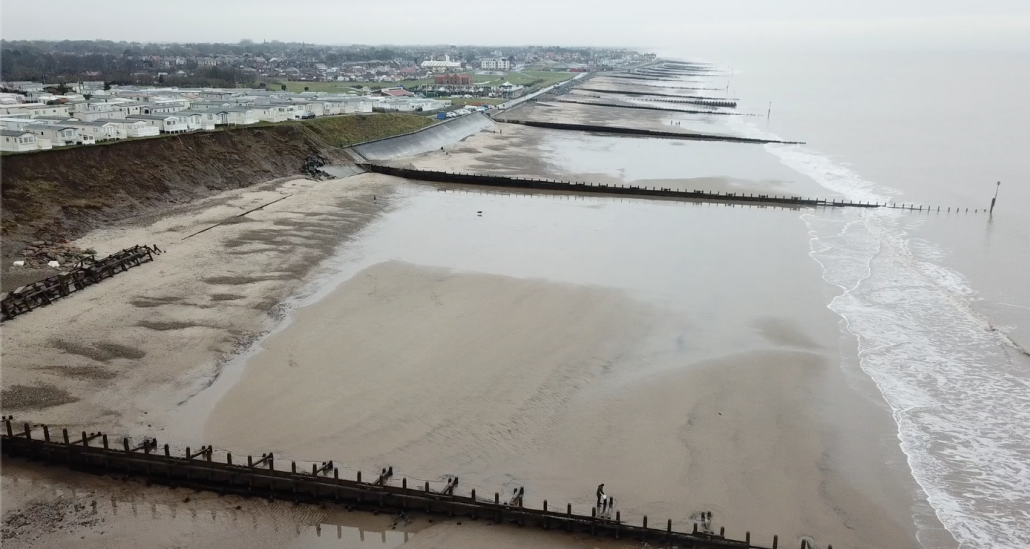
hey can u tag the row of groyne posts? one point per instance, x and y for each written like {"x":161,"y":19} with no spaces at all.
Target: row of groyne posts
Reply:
{"x":259,"y":478}
{"x":572,"y":186}
{"x":85,"y":273}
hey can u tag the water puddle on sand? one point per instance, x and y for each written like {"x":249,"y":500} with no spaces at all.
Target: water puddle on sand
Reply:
{"x":543,"y":341}
{"x":679,"y":164}
{"x":94,"y":513}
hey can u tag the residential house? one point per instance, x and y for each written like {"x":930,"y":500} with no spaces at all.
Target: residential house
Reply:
{"x":166,"y":123}
{"x":92,"y":116}
{"x":238,"y":115}
{"x":137,"y":128}
{"x":101,"y":130}
{"x":59,"y":135}
{"x":18,"y":141}
{"x":162,"y":108}
{"x":197,"y":120}
{"x":34,"y":110}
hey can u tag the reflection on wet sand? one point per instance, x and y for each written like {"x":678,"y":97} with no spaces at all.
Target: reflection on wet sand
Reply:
{"x":52,"y":508}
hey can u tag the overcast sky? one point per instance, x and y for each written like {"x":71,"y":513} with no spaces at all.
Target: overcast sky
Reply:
{"x":673,"y":25}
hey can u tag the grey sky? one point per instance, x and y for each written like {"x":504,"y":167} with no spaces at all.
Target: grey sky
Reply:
{"x":666,"y":25}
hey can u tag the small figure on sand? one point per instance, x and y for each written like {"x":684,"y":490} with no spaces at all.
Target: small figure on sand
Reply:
{"x":600,"y":494}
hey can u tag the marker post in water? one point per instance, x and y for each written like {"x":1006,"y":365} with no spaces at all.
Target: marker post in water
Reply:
{"x":995,"y":199}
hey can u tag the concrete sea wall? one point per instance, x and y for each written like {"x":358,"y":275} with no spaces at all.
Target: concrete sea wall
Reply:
{"x":425,"y":140}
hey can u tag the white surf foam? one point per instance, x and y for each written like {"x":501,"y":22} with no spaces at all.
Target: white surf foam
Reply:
{"x":958,"y":387}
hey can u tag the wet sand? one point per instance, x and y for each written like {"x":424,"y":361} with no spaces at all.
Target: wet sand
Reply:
{"x":119,"y":354}
{"x":524,"y":151}
{"x":702,"y":402}
{"x":52,"y":507}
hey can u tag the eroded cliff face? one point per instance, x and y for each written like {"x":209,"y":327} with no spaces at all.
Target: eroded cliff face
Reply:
{"x":58,"y":194}
{"x":62,"y":194}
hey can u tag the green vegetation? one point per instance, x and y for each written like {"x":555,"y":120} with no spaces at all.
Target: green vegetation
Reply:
{"x":462,"y":101}
{"x":539,"y":79}
{"x":343,"y":131}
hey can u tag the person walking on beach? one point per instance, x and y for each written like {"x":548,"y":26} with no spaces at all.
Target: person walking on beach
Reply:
{"x":600,"y":494}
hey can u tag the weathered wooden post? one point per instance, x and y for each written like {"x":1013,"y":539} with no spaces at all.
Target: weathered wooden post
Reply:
{"x":473,"y":501}
{"x":747,"y":538}
{"x":645,"y":528}
{"x":85,"y":441}
{"x":63,"y":431}
{"x":314,"y":470}
{"x":695,"y":528}
{"x":125,"y":444}
{"x":359,"y":477}
{"x":228,"y":458}
{"x":10,"y":431}
{"x":593,"y":519}
{"x":668,"y":528}
{"x":46,"y":433}
{"x":776,"y":542}
{"x":104,"y":438}
{"x":168,"y":452}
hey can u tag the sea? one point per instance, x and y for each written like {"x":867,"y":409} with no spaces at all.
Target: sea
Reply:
{"x":937,"y":298}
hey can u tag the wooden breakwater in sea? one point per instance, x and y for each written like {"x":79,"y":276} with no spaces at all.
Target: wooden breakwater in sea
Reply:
{"x":200,"y":469}
{"x":644,"y":133}
{"x":646,"y":107}
{"x":596,"y":188}
{"x":664,"y":86}
{"x":83,"y":274}
{"x":685,"y":98}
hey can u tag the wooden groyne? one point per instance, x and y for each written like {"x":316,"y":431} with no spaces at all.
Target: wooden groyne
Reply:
{"x":85,"y":273}
{"x":684,"y":98}
{"x":636,"y":76}
{"x":250,"y":477}
{"x":646,"y":107}
{"x":666,"y":87}
{"x":596,"y":188}
{"x":645,"y":133}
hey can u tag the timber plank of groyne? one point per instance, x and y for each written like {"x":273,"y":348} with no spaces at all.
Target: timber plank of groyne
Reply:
{"x":200,"y":470}
{"x":85,"y":273}
{"x":621,"y":190}
{"x":648,"y":108}
{"x":645,"y":133}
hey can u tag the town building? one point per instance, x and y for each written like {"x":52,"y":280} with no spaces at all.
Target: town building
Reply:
{"x":453,"y":79}
{"x":495,"y":63}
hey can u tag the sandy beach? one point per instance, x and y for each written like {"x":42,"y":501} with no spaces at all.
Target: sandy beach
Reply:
{"x":120,"y":353}
{"x":682,"y":354}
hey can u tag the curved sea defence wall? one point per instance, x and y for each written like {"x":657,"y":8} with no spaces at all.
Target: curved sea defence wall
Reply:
{"x":424,"y":140}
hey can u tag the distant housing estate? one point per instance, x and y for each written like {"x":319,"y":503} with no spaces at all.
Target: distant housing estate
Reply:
{"x":132,"y":112}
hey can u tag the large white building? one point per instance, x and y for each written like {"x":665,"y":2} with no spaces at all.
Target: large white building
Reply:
{"x":441,"y":66}
{"x":495,"y":63}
